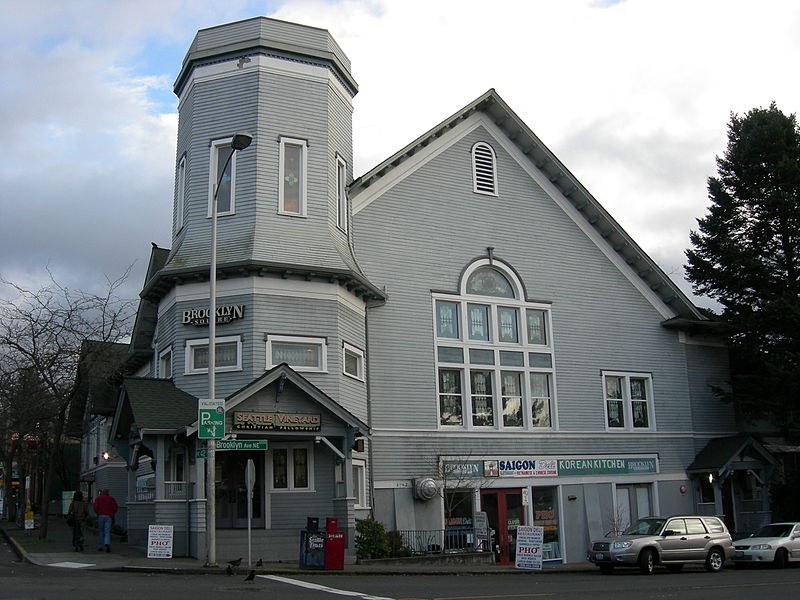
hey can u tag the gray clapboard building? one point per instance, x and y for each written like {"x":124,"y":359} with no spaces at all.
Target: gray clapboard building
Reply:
{"x":462,"y":335}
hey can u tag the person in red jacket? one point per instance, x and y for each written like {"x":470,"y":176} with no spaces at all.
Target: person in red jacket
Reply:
{"x":105,"y":507}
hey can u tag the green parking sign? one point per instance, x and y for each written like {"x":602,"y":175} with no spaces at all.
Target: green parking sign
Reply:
{"x":211,"y":419}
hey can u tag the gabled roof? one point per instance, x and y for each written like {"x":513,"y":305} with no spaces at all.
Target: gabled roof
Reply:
{"x":719,"y":453}
{"x":146,"y":316}
{"x":494,"y":108}
{"x":285,"y":371}
{"x":154,"y":404}
{"x":94,"y":392}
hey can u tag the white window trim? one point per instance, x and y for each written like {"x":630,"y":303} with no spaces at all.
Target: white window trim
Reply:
{"x":289,"y":447}
{"x":190,"y":369}
{"x":493,"y":344}
{"x":475,"y":186}
{"x":626,"y":401}
{"x":319,"y":341}
{"x":303,"y":181}
{"x":361,"y":501}
{"x":180,"y":194}
{"x":213,"y":176}
{"x":341,"y":193}
{"x":161,"y":355}
{"x":361,"y":362}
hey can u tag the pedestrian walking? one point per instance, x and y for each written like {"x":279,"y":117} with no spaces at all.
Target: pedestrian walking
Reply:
{"x":105,"y":507}
{"x":76,"y":515}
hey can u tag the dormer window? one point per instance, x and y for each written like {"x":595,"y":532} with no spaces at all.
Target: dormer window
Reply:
{"x":484,"y":169}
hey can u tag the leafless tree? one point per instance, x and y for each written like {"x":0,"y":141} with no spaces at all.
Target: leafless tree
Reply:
{"x":41,"y":335}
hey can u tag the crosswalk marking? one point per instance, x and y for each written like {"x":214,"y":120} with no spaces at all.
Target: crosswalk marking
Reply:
{"x":324,"y":588}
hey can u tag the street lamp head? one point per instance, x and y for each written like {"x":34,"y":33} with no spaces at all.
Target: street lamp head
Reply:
{"x":241,"y":141}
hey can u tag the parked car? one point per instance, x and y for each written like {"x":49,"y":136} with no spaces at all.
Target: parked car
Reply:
{"x":777,"y":544}
{"x":670,"y":541}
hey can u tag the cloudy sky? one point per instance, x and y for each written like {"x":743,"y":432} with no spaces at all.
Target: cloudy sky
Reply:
{"x":633,"y":96}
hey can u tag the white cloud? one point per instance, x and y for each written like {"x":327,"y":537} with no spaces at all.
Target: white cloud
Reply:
{"x":632,"y":96}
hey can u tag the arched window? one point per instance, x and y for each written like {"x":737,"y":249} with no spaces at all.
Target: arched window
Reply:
{"x":484,"y":169}
{"x":487,"y":281}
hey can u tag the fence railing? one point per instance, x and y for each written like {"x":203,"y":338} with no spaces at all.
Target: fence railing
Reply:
{"x":439,"y":541}
{"x":173,"y":490}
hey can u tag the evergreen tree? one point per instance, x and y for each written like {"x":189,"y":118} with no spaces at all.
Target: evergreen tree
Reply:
{"x":746,"y":255}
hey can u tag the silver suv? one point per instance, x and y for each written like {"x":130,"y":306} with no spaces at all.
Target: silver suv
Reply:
{"x":670,"y":541}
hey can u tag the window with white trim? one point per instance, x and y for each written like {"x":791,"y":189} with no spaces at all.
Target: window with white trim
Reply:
{"x":360,"y":483}
{"x":226,"y":195}
{"x":292,"y":467}
{"x":228,"y":355}
{"x":484,"y":169}
{"x":353,"y":361}
{"x":301,"y":353}
{"x":292,"y":177}
{"x":341,"y":193}
{"x":180,"y":193}
{"x":628,"y":401}
{"x":165,"y":363}
{"x":494,"y":355}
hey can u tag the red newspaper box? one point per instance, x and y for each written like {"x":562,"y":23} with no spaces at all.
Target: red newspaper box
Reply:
{"x":331,"y":524}
{"x":334,"y":551}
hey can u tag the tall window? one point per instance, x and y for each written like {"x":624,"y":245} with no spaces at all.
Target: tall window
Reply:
{"x":341,"y":193}
{"x":228,"y":355}
{"x":180,"y":193}
{"x":353,"y":361}
{"x":292,"y":175}
{"x":627,"y":401}
{"x":494,"y":354}
{"x":226,"y":196}
{"x":165,"y":363}
{"x":484,"y":169}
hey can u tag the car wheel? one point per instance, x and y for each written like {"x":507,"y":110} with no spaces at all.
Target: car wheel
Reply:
{"x":606,"y":569}
{"x":674,"y":568}
{"x":781,"y":559}
{"x":647,"y":561}
{"x":714,"y":560}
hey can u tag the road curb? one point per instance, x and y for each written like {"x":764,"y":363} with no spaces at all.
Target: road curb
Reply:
{"x":18,"y":548}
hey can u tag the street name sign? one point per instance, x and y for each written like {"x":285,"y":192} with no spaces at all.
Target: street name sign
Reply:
{"x":221,"y":445}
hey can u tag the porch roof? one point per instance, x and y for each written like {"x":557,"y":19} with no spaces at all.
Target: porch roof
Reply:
{"x":719,"y":453}
{"x":154,"y":404}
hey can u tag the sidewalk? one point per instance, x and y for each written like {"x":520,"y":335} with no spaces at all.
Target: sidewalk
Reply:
{"x":57,"y":551}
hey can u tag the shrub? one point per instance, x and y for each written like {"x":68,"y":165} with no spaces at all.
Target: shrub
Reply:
{"x":371,"y":541}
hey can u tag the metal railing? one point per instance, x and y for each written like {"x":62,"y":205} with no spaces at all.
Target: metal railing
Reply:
{"x":173,"y":490}
{"x":439,"y":541}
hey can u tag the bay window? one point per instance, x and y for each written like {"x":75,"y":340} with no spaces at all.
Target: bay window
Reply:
{"x":228,"y":355}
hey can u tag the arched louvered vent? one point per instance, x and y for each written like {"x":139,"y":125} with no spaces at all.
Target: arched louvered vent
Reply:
{"x":484,"y":170}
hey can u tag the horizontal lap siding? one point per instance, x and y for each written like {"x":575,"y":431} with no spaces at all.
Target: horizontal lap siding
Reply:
{"x":420,"y":235}
{"x":290,"y":509}
{"x":709,"y":368}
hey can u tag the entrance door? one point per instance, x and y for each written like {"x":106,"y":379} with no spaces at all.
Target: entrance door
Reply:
{"x":505,"y":513}
{"x":231,"y":491}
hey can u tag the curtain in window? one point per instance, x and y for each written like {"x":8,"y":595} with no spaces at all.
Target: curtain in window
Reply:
{"x":296,"y":354}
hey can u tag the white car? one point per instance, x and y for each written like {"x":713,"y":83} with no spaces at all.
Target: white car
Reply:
{"x":777,"y":544}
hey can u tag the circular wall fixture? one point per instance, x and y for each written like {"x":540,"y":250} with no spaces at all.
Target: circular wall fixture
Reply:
{"x":425,"y":488}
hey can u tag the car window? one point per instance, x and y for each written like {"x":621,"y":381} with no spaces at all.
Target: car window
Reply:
{"x":714,"y":525}
{"x":796,"y":530}
{"x":694,"y":526}
{"x":774,"y":530}
{"x":678,"y":526}
{"x":644,"y":527}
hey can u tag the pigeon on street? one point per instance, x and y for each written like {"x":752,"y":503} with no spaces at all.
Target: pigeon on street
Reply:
{"x":250,"y":576}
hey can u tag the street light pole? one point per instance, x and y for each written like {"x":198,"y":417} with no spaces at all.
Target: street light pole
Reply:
{"x":240,"y":141}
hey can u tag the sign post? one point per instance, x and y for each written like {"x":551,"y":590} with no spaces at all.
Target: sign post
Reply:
{"x":249,"y":481}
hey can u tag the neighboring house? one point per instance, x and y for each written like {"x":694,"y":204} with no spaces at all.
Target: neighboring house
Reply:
{"x":91,"y":413}
{"x":462,"y":331}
